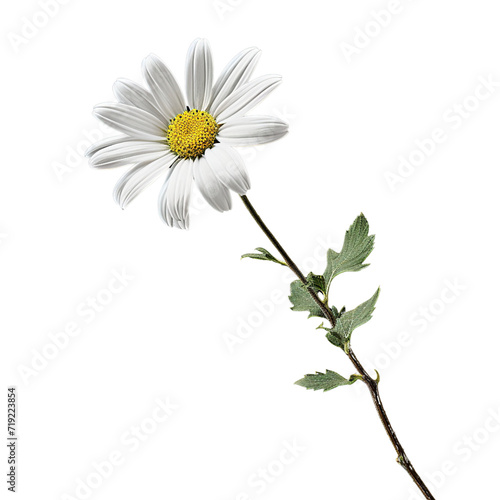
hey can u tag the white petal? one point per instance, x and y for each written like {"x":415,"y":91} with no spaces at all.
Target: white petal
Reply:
{"x":125,"y":153}
{"x":164,"y":87}
{"x":215,"y":193}
{"x":139,"y":178}
{"x":199,"y":74}
{"x":132,"y":121}
{"x":235,"y":74}
{"x":129,"y":92}
{"x":229,"y":168}
{"x":104,"y":143}
{"x":173,"y":202}
{"x":246,"y":97}
{"x":252,"y":130}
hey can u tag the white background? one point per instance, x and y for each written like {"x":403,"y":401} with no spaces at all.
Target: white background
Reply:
{"x":165,"y":335}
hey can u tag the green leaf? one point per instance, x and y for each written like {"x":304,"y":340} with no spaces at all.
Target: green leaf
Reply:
{"x":316,"y":282}
{"x":356,"y":248}
{"x":351,"y":320}
{"x":263,"y":255}
{"x":302,"y":300}
{"x":335,"y":339}
{"x":325,"y":381}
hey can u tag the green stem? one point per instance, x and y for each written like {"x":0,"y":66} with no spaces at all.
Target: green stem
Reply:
{"x":371,"y":383}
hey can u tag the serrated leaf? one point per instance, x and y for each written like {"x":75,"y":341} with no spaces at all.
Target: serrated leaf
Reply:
{"x":353,"y":319}
{"x":335,"y":339}
{"x":325,"y":381}
{"x":356,"y":248}
{"x":316,"y":282}
{"x":302,"y":300}
{"x":263,"y":255}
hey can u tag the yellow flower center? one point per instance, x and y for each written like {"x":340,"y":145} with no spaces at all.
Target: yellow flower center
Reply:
{"x":191,"y":133}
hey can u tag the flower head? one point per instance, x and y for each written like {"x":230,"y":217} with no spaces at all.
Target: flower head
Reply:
{"x":188,"y":139}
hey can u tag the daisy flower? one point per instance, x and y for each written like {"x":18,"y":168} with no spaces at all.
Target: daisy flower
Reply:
{"x":189,"y":139}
